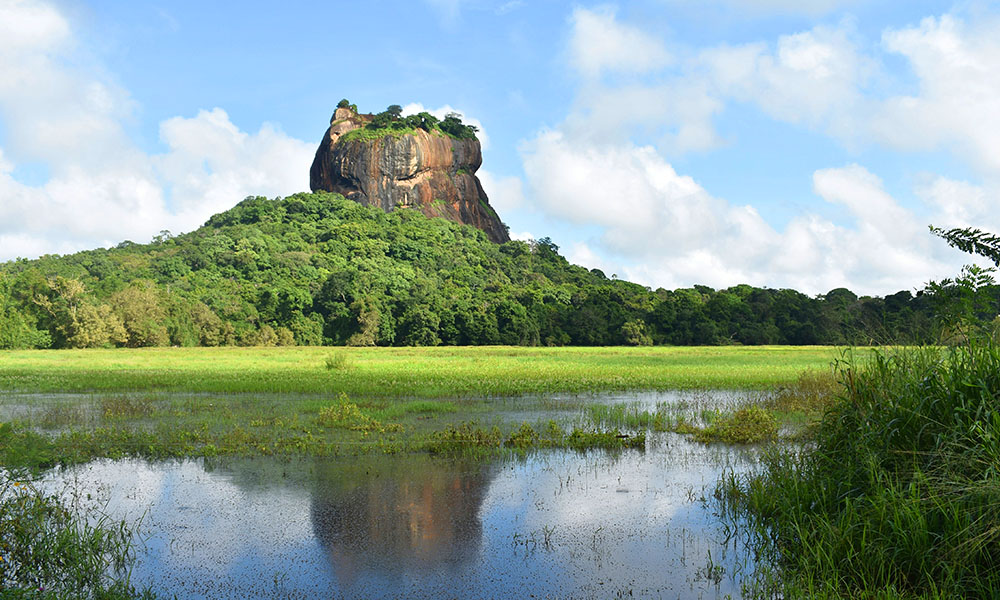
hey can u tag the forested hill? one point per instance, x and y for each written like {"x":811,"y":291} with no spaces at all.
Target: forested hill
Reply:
{"x":319,"y":269}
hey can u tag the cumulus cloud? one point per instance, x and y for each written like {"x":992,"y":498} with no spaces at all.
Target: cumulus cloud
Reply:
{"x":210,"y":162}
{"x":957,"y":203}
{"x":65,"y":112}
{"x":506,"y":194}
{"x":630,"y":190}
{"x":600,"y":42}
{"x":824,"y":78}
{"x":662,"y":228}
{"x":813,"y":77}
{"x":955,"y":64}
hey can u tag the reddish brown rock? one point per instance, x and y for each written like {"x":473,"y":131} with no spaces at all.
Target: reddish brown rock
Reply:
{"x":429,"y":171}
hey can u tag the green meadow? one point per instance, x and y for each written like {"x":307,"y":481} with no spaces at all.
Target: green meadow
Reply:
{"x":435,"y":372}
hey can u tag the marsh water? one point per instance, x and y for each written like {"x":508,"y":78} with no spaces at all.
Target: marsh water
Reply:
{"x":549,"y":524}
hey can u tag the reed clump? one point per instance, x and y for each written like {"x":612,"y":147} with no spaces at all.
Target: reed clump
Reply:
{"x":348,"y":415}
{"x":47,"y":550}
{"x":749,"y":425}
{"x":898,"y":493}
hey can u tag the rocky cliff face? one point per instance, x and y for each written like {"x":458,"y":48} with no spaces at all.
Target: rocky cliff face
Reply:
{"x":429,"y":171}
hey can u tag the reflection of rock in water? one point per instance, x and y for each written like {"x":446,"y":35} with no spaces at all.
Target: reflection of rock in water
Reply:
{"x":387,"y":515}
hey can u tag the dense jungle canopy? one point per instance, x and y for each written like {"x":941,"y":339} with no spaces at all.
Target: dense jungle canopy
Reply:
{"x":318,"y":269}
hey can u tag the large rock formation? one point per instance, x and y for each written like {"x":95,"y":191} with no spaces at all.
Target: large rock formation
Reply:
{"x":426,"y":170}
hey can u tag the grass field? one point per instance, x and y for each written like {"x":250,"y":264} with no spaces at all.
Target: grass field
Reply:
{"x":409,"y":372}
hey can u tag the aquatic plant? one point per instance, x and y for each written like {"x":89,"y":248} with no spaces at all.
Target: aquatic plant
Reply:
{"x":347,"y":415}
{"x":750,"y":425}
{"x":467,"y":438}
{"x":47,"y":551}
{"x":581,"y":439}
{"x":627,"y":415}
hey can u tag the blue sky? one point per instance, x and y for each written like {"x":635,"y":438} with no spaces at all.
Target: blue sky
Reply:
{"x":671,"y":142}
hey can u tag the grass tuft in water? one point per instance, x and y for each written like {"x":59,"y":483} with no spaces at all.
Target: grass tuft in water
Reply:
{"x":348,"y":415}
{"x":628,"y":416}
{"x":48,"y":552}
{"x":126,"y":407}
{"x":467,"y":438}
{"x":581,"y":439}
{"x":750,"y":425}
{"x":471,"y":439}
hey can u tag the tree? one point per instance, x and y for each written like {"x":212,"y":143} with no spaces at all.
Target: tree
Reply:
{"x":966,"y":305}
{"x":139,"y":309}
{"x":971,"y":241}
{"x":395,"y":111}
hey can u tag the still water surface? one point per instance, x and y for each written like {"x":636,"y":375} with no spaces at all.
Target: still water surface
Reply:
{"x":554,"y":524}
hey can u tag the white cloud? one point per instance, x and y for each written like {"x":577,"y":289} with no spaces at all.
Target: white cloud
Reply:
{"x":25,"y":25}
{"x":510,"y":6}
{"x":599,"y":43}
{"x":66,"y":113}
{"x":211,"y":164}
{"x":449,"y":10}
{"x":824,"y":78}
{"x":956,"y":106}
{"x":960,"y":204}
{"x":506,"y":194}
{"x":580,"y":253}
{"x":812,"y":77}
{"x":629,"y":190}
{"x":678,"y":117}
{"x":52,"y":102}
{"x":659,"y":227}
{"x":663,"y":229}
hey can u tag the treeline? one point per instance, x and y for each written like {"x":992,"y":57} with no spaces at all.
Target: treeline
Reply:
{"x":318,"y":269}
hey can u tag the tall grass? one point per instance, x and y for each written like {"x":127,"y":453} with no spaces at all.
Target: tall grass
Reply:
{"x":898,"y":495}
{"x":49,"y":551}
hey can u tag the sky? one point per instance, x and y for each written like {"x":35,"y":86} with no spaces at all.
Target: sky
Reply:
{"x":780,"y":143}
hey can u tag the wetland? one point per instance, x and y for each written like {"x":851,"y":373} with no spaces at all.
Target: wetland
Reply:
{"x":260,"y":493}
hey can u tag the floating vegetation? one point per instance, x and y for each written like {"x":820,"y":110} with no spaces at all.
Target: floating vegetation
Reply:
{"x":125,"y":406}
{"x":468,"y":438}
{"x":347,"y":415}
{"x":614,"y":439}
